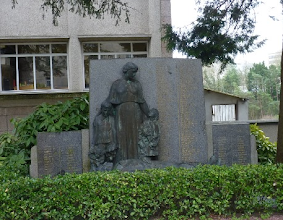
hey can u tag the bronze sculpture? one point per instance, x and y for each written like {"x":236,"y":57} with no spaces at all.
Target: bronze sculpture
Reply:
{"x":126,"y":96}
{"x":132,"y":131}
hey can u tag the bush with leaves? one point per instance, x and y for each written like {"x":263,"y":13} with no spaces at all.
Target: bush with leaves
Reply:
{"x":11,"y":154}
{"x":67,"y":116}
{"x":171,"y":193}
{"x":266,"y":150}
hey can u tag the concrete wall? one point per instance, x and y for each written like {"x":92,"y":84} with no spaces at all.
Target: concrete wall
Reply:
{"x":25,"y":21}
{"x":216,"y":98}
{"x":269,"y":127}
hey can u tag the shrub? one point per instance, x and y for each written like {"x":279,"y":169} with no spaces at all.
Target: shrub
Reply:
{"x":67,"y":116}
{"x":70,"y":115}
{"x":12,"y":155}
{"x":266,"y":150}
{"x":171,"y":193}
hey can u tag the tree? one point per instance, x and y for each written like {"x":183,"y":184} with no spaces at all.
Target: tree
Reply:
{"x":263,"y":82}
{"x":228,"y":81}
{"x":91,"y":8}
{"x":256,"y":78}
{"x":231,"y":80}
{"x":212,"y":78}
{"x":273,"y":82}
{"x":222,"y":30}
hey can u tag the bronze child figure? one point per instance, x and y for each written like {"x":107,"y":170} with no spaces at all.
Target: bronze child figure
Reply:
{"x":104,"y":149}
{"x":149,"y":135}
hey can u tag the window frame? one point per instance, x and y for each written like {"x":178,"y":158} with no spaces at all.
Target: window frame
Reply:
{"x":50,"y":55}
{"x":99,"y":53}
{"x":224,"y":112}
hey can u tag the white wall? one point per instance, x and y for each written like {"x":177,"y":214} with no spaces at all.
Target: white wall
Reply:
{"x":25,"y":21}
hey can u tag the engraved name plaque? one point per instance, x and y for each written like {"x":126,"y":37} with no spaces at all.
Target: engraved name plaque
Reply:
{"x":231,"y":143}
{"x":59,"y":153}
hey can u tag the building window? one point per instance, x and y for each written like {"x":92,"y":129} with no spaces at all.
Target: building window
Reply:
{"x":33,"y":66}
{"x":111,"y":50}
{"x":224,"y":112}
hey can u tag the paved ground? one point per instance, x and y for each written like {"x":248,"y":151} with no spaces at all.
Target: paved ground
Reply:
{"x":277,"y":216}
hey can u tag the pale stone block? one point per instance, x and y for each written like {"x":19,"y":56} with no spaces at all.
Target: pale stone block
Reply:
{"x":254,"y":155}
{"x":33,"y":169}
{"x":85,"y":150}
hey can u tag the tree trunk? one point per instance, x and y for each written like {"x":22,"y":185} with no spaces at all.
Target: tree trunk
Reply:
{"x":279,"y":155}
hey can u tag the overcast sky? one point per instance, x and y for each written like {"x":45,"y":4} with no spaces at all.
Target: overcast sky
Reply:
{"x":184,"y":12}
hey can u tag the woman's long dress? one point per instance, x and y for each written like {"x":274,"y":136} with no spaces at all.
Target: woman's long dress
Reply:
{"x":126,"y":97}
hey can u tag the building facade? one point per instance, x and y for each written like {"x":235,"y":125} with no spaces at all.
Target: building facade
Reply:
{"x":223,"y":107}
{"x":41,"y":62}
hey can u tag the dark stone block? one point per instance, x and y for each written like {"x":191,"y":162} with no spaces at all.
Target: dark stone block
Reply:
{"x":232,"y":143}
{"x":59,"y":153}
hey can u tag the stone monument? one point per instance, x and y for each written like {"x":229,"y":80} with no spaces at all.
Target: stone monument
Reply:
{"x":135,"y":87}
{"x":60,"y":153}
{"x":231,"y":143}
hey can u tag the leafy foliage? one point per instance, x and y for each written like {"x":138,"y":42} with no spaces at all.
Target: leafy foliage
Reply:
{"x":222,"y":30}
{"x":170,"y":193}
{"x":266,"y":150}
{"x":11,"y":154}
{"x":90,"y":8}
{"x":67,"y":116}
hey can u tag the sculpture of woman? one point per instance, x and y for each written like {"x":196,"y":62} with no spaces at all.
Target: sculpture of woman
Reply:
{"x":126,"y":96}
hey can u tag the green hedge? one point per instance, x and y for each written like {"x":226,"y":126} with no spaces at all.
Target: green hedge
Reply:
{"x":172,"y":193}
